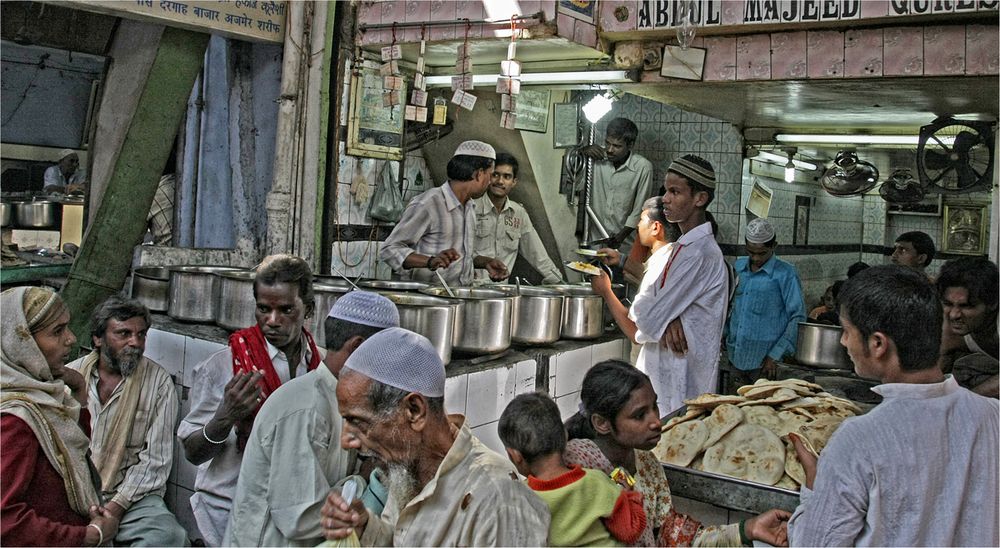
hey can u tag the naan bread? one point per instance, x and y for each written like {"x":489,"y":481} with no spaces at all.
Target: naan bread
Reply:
{"x":793,"y":467}
{"x":692,"y":413}
{"x":723,"y":419}
{"x":748,"y":452}
{"x":780,"y":395}
{"x":682,"y":443}
{"x":787,"y":482}
{"x":712,"y":401}
{"x":818,"y":432}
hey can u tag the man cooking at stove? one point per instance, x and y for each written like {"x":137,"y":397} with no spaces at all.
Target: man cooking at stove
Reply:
{"x":921,"y":468}
{"x":968,"y":291}
{"x":438,"y":227}
{"x":503,"y":228}
{"x":767,"y":308}
{"x":623,"y":180}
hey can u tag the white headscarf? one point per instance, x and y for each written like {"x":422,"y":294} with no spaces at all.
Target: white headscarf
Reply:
{"x":31,"y":394}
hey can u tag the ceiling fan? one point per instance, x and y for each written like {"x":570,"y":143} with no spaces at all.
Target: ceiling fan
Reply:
{"x":849,"y":175}
{"x":902,"y":188}
{"x":955,"y":156}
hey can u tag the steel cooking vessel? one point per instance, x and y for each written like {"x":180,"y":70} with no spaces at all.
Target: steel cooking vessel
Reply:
{"x":5,"y":214}
{"x":235,"y":305}
{"x":537,"y":314}
{"x":36,"y":214}
{"x":819,"y":346}
{"x":393,"y":285}
{"x":432,"y":317}
{"x":194,"y":292}
{"x":151,"y":287}
{"x":485,"y":319}
{"x":583,"y":312}
{"x":326,"y":294}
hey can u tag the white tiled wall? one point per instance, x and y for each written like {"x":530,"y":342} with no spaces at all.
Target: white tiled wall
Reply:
{"x":566,"y":371}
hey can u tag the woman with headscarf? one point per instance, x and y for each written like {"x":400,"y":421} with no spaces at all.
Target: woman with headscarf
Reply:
{"x":48,"y":496}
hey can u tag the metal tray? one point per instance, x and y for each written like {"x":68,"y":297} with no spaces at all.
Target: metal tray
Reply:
{"x":726,"y":491}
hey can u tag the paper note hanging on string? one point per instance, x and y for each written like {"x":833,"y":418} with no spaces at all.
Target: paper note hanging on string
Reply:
{"x":418,"y":98}
{"x":508,"y":103}
{"x":390,"y":99}
{"x":410,"y":113}
{"x":464,"y":100}
{"x":388,"y":69}
{"x":392,"y":82}
{"x":510,"y":86}
{"x":421,"y":114}
{"x":508,"y":119}
{"x":418,"y":81}
{"x":461,"y":82}
{"x":392,"y":52}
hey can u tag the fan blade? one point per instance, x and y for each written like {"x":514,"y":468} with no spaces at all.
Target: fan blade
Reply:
{"x":966,"y":176}
{"x":965,"y":141}
{"x":936,"y":160}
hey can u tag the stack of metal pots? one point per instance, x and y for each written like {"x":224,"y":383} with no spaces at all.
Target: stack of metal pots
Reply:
{"x":537,"y":315}
{"x":194,"y":292}
{"x":583,"y":312}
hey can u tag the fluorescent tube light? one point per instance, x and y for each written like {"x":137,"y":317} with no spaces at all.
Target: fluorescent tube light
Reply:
{"x":780,"y":160}
{"x":572,"y":77}
{"x":853,"y":139}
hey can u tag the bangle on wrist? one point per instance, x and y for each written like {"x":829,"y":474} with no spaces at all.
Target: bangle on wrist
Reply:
{"x":204,"y":434}
{"x":743,"y":533}
{"x":429,"y":261}
{"x":100,"y":533}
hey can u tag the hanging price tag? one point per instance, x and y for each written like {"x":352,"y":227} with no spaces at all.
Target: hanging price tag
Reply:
{"x":418,"y":98}
{"x":418,"y":81}
{"x":508,"y":103}
{"x":507,"y":120}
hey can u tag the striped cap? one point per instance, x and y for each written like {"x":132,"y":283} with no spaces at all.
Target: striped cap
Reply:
{"x":685,"y":166}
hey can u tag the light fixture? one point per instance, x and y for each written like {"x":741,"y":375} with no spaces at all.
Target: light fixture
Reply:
{"x":773,"y":158}
{"x":790,"y":168}
{"x":571,"y":77}
{"x":598,"y":107}
{"x":686,"y":29}
{"x":838,"y":139}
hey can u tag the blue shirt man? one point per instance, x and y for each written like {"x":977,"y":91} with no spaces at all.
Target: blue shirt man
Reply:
{"x":767,"y":307}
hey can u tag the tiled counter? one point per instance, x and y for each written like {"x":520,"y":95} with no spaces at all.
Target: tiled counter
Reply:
{"x":480,"y":391}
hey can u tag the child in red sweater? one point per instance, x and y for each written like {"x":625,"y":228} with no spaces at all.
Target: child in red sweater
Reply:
{"x":588,"y":508}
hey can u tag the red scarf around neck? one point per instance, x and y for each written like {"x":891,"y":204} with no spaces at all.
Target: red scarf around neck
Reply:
{"x":249,"y":349}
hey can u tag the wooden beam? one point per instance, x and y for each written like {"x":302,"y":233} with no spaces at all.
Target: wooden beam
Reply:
{"x":105,"y":255}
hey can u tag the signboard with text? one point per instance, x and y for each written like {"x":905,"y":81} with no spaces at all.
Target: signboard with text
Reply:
{"x":241,"y":19}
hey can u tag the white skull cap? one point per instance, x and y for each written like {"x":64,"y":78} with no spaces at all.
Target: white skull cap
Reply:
{"x":476,"y":148}
{"x":760,"y":231}
{"x":365,"y":308}
{"x":66,"y":152}
{"x":401,"y":359}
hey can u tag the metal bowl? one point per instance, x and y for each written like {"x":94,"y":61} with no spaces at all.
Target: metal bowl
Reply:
{"x":537,"y":316}
{"x":432,"y":317}
{"x":486,"y":319}
{"x":819,"y":346}
{"x":194,"y":291}
{"x":151,"y":287}
{"x":393,"y":285}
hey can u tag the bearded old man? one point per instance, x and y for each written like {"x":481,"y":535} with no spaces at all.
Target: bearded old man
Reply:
{"x":133,"y":413}
{"x":445,"y":487}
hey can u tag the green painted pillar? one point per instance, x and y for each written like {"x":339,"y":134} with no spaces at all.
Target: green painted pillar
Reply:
{"x":105,"y":255}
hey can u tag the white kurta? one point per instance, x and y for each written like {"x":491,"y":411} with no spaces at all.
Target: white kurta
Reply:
{"x":920,"y":469}
{"x":696,"y":289}
{"x":215,"y":482}
{"x":292,"y":460}
{"x":475,"y":499}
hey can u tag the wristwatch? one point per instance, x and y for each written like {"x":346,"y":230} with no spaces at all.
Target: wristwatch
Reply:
{"x":429,"y":261}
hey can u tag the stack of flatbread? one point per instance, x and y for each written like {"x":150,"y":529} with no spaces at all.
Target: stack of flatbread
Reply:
{"x":746,"y":436}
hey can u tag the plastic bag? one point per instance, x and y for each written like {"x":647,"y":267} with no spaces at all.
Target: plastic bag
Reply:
{"x":387,"y":200}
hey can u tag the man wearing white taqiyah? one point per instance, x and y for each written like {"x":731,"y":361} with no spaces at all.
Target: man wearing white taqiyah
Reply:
{"x":438,"y":227}
{"x":66,"y":176}
{"x":293,"y":457}
{"x":445,"y":487}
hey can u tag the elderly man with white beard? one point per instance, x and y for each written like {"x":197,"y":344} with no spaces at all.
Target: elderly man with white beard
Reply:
{"x":133,"y":414}
{"x":445,"y":487}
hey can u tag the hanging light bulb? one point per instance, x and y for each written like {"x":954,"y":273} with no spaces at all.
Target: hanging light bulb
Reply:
{"x":597,"y":108}
{"x":685,"y":28}
{"x":790,"y":169}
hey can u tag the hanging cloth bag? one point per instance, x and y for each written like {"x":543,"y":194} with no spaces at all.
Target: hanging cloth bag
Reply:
{"x":387,"y":201}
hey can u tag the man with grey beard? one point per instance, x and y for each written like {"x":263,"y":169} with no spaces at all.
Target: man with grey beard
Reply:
{"x":445,"y":487}
{"x":133,"y":415}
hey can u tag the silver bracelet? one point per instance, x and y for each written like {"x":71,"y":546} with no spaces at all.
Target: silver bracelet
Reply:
{"x":100,"y":534}
{"x":204,"y":433}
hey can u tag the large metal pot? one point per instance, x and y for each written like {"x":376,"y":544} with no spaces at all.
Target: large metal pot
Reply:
{"x":393,"y":285}
{"x":151,"y":286}
{"x":485,"y":319}
{"x":432,"y":317}
{"x":37,"y":214}
{"x":5,"y":214}
{"x":819,"y":346}
{"x":537,"y":316}
{"x":583,"y":312}
{"x":235,"y":305}
{"x":326,"y":294}
{"x":194,"y":291}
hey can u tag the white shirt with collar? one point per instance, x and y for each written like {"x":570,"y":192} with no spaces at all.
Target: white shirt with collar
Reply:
{"x":215,"y":483}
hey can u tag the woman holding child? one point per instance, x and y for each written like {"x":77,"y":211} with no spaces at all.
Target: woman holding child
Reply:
{"x":617,"y":427}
